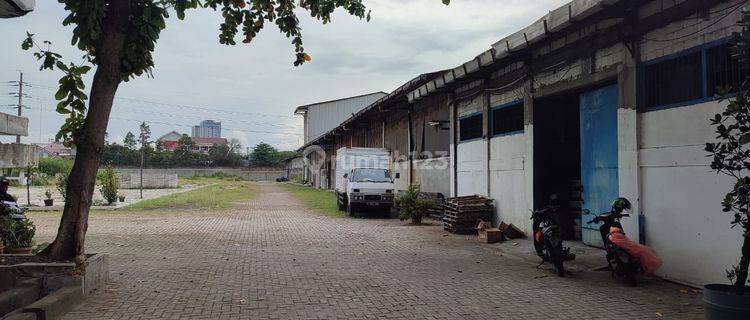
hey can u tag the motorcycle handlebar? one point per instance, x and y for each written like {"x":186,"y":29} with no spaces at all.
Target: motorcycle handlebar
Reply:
{"x":599,"y":218}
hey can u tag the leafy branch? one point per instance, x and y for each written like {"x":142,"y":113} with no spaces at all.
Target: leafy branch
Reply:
{"x":70,"y":94}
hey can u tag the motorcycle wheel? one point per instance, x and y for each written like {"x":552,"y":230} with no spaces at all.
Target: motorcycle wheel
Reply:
{"x":556,"y":257}
{"x":630,"y":279}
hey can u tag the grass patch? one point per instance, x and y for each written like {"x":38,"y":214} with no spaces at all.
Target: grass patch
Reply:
{"x":220,"y":195}
{"x":319,"y":200}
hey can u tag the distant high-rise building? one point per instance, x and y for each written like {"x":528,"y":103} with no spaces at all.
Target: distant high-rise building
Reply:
{"x":207,"y":129}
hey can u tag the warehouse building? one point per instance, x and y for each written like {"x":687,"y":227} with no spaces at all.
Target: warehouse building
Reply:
{"x":600,"y":99}
{"x":320,"y":118}
{"x":596,"y":99}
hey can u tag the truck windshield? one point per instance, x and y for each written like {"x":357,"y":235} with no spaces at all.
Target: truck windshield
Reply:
{"x":371,"y":175}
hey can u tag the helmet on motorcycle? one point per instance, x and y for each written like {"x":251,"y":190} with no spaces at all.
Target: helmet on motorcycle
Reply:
{"x":621,"y":204}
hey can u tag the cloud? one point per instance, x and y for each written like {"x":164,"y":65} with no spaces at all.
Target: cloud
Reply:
{"x":350,"y":57}
{"x":240,"y":136}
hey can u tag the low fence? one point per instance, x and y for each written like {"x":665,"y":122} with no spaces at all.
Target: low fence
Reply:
{"x":151,"y":180}
{"x":255,"y":174}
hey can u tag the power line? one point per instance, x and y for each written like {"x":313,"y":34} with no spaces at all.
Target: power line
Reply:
{"x":182,"y":105}
{"x":190,"y":125}
{"x":198,"y":118}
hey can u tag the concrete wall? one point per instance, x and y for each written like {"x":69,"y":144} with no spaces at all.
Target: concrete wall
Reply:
{"x":152,"y":180}
{"x":681,"y":196}
{"x":264,"y":175}
{"x":433,"y":175}
{"x":14,"y":155}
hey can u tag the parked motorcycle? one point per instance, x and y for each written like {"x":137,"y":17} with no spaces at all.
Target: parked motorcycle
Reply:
{"x":620,"y":261}
{"x":547,"y":239}
{"x":11,"y":210}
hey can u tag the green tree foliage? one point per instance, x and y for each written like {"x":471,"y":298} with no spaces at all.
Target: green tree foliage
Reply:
{"x":129,"y":141}
{"x":109,"y":185}
{"x":263,"y":155}
{"x":51,"y":166}
{"x":731,"y":153}
{"x":145,"y":135}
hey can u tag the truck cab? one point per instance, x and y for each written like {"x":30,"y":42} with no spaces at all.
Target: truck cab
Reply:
{"x":364,"y":180}
{"x":368,"y":188}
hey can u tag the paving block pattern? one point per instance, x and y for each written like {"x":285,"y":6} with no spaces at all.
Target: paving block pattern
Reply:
{"x":271,"y":258}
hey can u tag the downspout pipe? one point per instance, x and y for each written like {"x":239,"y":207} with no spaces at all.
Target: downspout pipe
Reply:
{"x":411,"y":148}
{"x":454,"y":129}
{"x":488,"y":136}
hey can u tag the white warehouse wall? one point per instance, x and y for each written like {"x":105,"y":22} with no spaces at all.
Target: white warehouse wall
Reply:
{"x":472,"y":168}
{"x":508,"y":179}
{"x":681,"y":196}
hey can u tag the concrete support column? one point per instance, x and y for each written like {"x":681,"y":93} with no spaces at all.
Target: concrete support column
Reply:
{"x":627,"y":141}
{"x":528,"y":124}
{"x":453,"y":110}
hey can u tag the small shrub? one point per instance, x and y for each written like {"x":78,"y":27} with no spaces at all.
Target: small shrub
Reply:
{"x":53,"y":166}
{"x":410,"y":205}
{"x":17,"y":234}
{"x":109,"y":185}
{"x":62,"y":184}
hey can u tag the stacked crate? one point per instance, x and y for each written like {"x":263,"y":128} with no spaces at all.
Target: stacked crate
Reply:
{"x":461,"y":214}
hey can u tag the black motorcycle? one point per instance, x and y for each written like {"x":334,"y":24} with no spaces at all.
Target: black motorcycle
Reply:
{"x":620,"y":262}
{"x":11,"y":210}
{"x":547,"y":239}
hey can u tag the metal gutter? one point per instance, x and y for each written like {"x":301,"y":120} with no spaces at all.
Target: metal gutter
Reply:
{"x":553,"y":22}
{"x":399,"y":92}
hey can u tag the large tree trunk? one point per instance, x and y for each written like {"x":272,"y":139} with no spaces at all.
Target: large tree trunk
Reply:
{"x":743,"y":267}
{"x":69,"y":243}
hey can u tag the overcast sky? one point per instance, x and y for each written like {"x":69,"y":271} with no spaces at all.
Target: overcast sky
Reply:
{"x":255,"y":88}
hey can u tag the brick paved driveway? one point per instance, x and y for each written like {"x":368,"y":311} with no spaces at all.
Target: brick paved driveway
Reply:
{"x":272,"y":259}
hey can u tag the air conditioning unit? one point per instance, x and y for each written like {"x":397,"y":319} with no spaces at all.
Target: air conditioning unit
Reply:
{"x":15,"y":8}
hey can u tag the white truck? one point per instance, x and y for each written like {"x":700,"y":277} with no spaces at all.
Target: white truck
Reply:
{"x":363,"y":180}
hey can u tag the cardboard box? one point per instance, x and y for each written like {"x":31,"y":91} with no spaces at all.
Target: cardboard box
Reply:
{"x":492,"y":235}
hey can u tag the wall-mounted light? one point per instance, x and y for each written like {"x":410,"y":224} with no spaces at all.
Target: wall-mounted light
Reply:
{"x":438,"y":124}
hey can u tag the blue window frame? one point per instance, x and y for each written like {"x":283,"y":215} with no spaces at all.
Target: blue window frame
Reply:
{"x":507,"y":119}
{"x":470,"y":127}
{"x":689,"y":77}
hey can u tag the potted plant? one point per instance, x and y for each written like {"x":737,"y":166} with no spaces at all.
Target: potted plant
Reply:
{"x":49,"y":201}
{"x":18,"y":235}
{"x":731,"y":156}
{"x":121,"y":196}
{"x":410,"y":205}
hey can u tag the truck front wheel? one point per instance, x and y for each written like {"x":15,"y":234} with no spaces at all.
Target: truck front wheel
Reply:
{"x":350,"y":209}
{"x":341,"y":201}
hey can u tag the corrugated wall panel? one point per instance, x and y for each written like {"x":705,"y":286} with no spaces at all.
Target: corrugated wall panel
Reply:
{"x":323,"y":117}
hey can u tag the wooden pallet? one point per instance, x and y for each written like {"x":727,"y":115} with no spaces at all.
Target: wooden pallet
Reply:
{"x":460,"y":214}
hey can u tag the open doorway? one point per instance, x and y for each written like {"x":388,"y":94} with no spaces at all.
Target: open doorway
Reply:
{"x":557,"y":159}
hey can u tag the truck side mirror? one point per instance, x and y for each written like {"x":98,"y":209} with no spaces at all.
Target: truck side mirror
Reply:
{"x":398,"y":175}
{"x":346,"y":175}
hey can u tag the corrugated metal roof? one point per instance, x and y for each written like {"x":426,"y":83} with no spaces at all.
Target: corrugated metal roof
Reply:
{"x":15,"y":8}
{"x":303,"y":108}
{"x":553,"y":22}
{"x":399,"y":92}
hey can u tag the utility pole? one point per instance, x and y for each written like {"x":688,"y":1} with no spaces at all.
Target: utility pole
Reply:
{"x":20,"y":101}
{"x":145,"y":135}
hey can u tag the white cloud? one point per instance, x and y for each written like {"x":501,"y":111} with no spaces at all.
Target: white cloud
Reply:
{"x":350,"y":57}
